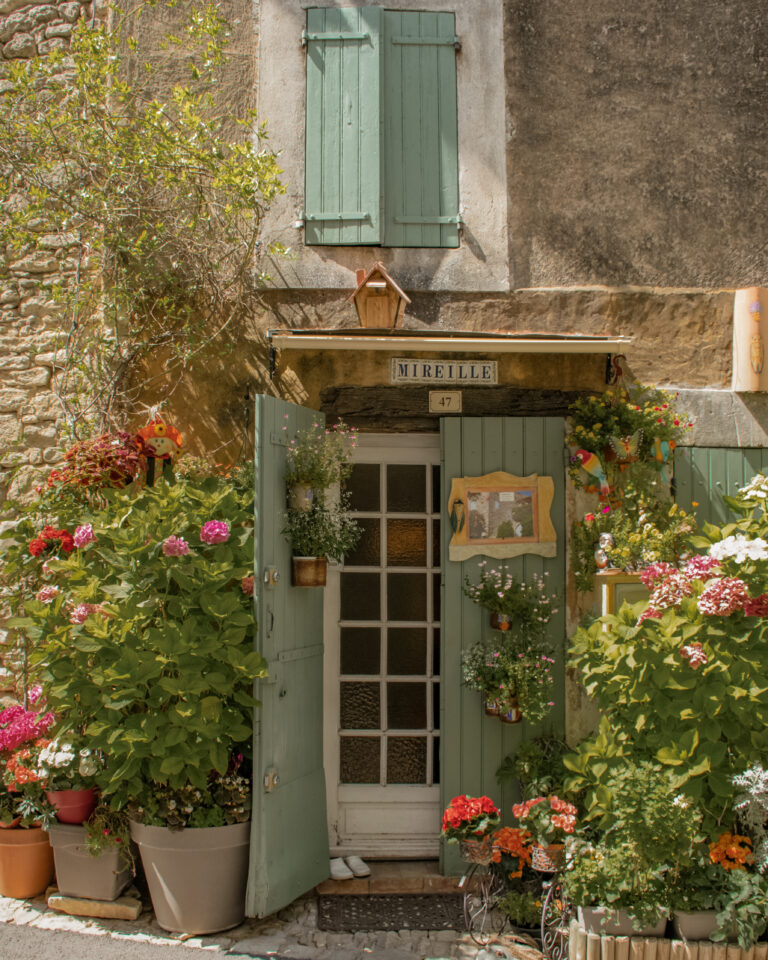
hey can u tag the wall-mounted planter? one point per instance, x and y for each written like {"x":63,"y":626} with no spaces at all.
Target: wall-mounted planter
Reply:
{"x":78,"y":874}
{"x":301,"y":496}
{"x":308,"y":571}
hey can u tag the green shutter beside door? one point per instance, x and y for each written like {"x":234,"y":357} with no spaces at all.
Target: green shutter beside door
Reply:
{"x":342,"y":196}
{"x":704,"y":474}
{"x":421,"y":186}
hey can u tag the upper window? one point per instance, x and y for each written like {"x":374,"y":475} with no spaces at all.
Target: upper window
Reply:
{"x":381,"y":128}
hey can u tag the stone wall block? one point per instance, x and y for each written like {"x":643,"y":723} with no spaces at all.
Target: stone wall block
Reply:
{"x":52,"y":455}
{"x":23,"y":479}
{"x":22,"y":46}
{"x":37,"y":307}
{"x":46,"y":46}
{"x":25,"y":21}
{"x":46,"y":406}
{"x":58,"y":30}
{"x":14,"y":363}
{"x":9,"y":431}
{"x":54,"y":358}
{"x":11,"y":399}
{"x":8,"y":6}
{"x":39,"y":377}
{"x":70,"y":11}
{"x":9,"y":298}
{"x":53,"y":241}
{"x":37,"y":263}
{"x":40,"y":436}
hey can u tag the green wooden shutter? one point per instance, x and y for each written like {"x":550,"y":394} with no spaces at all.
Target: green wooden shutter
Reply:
{"x":421,"y":187}
{"x":289,"y":829}
{"x":472,"y":745}
{"x":342,"y":195}
{"x":704,"y":474}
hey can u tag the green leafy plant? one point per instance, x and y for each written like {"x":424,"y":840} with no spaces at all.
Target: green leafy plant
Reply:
{"x":322,"y":531}
{"x":523,"y":907}
{"x":156,"y":188}
{"x":751,"y":804}
{"x":504,"y":671}
{"x":321,"y":456}
{"x":537,"y":765}
{"x":527,"y":602}
{"x":742,"y":908}
{"x":107,"y":830}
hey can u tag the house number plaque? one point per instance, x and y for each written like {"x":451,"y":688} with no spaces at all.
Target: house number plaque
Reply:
{"x":445,"y":401}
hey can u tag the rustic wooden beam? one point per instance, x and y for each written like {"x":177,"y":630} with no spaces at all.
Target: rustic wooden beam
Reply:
{"x":403,"y":409}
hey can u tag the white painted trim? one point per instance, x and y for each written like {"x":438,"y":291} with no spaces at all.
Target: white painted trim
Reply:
{"x":300,"y":341}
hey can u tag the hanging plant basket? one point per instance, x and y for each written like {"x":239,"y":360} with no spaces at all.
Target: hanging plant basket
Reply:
{"x":492,"y":708}
{"x":308,"y":571}
{"x":501,"y":621}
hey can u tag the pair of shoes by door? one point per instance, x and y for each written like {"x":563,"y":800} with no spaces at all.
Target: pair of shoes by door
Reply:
{"x":353,"y":867}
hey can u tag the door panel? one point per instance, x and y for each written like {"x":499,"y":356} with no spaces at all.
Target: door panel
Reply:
{"x":289,"y":840}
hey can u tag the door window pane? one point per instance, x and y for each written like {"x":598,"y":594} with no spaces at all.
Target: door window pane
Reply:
{"x":435,"y":543}
{"x":406,"y":706}
{"x":406,"y":596}
{"x":406,"y":488}
{"x":360,"y":650}
{"x":363,"y":487}
{"x":406,"y":543}
{"x":407,"y":651}
{"x":436,"y":597}
{"x":436,"y":652}
{"x":359,"y":760}
{"x":360,"y":706}
{"x":436,"y":760}
{"x":360,"y":596}
{"x":435,"y":488}
{"x":406,"y":760}
{"x":367,"y":553}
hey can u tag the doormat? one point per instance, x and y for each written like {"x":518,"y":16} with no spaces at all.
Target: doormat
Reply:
{"x":390,"y":912}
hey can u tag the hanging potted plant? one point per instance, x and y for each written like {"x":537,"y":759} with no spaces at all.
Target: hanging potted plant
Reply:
{"x":26,"y":860}
{"x":322,"y":533}
{"x":522,"y":607}
{"x":482,"y":669}
{"x":318,"y":458}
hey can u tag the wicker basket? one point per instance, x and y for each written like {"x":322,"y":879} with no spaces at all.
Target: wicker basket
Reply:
{"x":548,"y":859}
{"x":477,"y":851}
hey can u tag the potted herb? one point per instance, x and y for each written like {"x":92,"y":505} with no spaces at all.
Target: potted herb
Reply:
{"x":470,"y":822}
{"x":317,"y":535}
{"x":318,"y":458}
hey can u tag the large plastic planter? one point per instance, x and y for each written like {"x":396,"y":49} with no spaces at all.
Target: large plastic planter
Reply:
{"x":196,"y":876}
{"x":617,"y":923}
{"x":78,"y":874}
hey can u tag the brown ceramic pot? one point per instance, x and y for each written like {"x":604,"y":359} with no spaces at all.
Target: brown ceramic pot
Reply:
{"x":26,"y":862}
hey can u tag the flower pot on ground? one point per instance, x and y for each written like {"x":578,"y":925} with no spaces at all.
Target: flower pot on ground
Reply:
{"x":79,"y":874}
{"x":695,"y":924}
{"x":308,"y":571}
{"x":26,"y":862}
{"x":196,"y":876}
{"x":618,"y":923}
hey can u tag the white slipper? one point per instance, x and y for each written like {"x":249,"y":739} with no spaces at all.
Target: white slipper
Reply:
{"x":339,"y":870}
{"x":358,"y":867}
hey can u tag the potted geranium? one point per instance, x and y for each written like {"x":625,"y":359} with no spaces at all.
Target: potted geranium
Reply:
{"x":26,"y":860}
{"x":470,"y":822}
{"x":549,"y":820}
{"x":522,"y":606}
{"x":68,"y":768}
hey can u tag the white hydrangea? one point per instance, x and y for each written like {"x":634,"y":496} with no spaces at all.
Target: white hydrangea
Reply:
{"x":740,"y":548}
{"x":56,"y":755}
{"x":756,"y":489}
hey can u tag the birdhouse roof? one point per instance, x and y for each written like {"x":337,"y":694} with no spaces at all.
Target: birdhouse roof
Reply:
{"x":378,"y":267}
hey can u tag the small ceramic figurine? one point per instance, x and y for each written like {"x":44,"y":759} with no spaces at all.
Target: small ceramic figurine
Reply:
{"x":602,"y":554}
{"x":601,"y":559}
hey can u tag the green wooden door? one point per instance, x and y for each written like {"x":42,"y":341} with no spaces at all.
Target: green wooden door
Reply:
{"x":703,"y":475}
{"x":289,"y":837}
{"x":473,"y":745}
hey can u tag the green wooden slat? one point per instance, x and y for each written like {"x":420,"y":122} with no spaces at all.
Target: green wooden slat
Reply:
{"x":421,"y":153}
{"x":704,"y":474}
{"x":342,"y":128}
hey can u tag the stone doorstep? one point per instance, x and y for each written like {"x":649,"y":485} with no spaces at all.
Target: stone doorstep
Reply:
{"x":126,"y":907}
{"x":394,"y":877}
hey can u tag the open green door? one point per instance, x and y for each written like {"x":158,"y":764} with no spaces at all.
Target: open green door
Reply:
{"x":289,"y":835}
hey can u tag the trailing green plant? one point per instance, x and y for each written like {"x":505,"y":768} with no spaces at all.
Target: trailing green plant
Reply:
{"x":155,"y":189}
{"x":742,"y":908}
{"x":321,"y":456}
{"x":322,"y":531}
{"x":537,"y":765}
{"x":144,"y":632}
{"x":106,"y":830}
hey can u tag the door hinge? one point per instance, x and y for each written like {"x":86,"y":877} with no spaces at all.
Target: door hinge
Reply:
{"x":271,"y":779}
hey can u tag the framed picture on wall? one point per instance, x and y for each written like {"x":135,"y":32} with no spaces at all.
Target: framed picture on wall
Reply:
{"x":501,"y":515}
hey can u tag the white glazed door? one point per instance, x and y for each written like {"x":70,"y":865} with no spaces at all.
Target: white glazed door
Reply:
{"x":382,"y":653}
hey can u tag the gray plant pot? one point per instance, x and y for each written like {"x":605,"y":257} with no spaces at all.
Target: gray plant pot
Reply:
{"x":196,"y":876}
{"x":695,"y":924}
{"x":617,"y":923}
{"x":78,"y":874}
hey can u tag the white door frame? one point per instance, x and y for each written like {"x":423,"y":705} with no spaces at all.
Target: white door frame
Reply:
{"x":407,"y":820}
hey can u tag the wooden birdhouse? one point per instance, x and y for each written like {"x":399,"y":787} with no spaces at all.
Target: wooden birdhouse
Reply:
{"x":380,"y":303}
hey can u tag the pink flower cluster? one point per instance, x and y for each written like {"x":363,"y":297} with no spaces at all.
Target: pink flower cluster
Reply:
{"x":723,"y":597}
{"x":246,"y":585}
{"x":655,"y":572}
{"x":694,"y":654}
{"x":175,"y":546}
{"x":84,"y":535}
{"x":699,"y":567}
{"x":80,"y":613}
{"x":47,"y":594}
{"x":757,"y":606}
{"x":214,"y":531}
{"x":18,"y":726}
{"x":670,"y":590}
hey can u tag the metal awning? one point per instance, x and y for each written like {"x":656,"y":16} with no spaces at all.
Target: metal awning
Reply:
{"x":444,"y":341}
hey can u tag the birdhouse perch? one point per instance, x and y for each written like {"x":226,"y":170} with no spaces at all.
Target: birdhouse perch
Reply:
{"x":379,"y":301}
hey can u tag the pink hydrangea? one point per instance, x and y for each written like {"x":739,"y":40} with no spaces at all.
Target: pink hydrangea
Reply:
{"x":757,"y":606}
{"x":694,"y":654}
{"x":650,"y":613}
{"x":247,"y":586}
{"x":723,"y":597}
{"x":84,"y":535}
{"x":80,"y":613}
{"x":46,"y":594}
{"x":699,"y":568}
{"x":18,"y":726}
{"x":670,"y":590}
{"x":655,"y":572}
{"x":214,"y":531}
{"x":175,"y":547}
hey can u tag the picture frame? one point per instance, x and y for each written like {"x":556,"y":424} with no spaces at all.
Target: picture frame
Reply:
{"x":501,"y":515}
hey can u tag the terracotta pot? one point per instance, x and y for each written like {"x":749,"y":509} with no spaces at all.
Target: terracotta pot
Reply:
{"x":78,"y":874}
{"x":501,"y":621}
{"x":72,"y":806}
{"x":26,"y":862}
{"x":308,"y":571}
{"x":548,"y":858}
{"x":196,"y":876}
{"x":301,"y":497}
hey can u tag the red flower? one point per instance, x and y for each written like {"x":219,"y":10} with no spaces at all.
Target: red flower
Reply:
{"x":37,"y":546}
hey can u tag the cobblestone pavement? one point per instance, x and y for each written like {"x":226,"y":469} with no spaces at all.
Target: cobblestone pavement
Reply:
{"x":26,"y":928}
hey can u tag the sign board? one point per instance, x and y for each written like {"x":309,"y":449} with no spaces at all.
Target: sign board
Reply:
{"x":445,"y":401}
{"x":468,"y":373}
